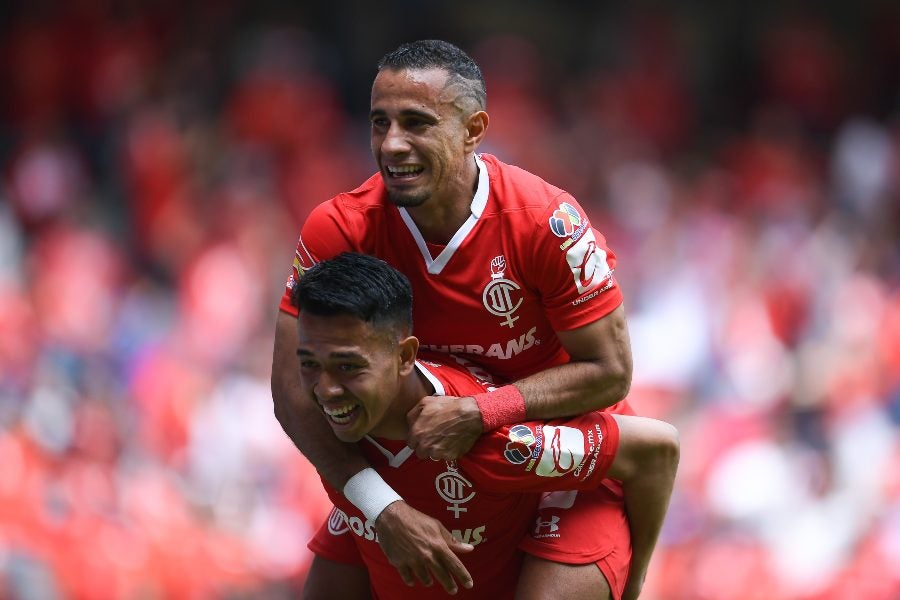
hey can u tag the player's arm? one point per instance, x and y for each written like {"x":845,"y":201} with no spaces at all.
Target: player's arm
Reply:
{"x":583,"y":302}
{"x":598,"y":376}
{"x":577,"y":454}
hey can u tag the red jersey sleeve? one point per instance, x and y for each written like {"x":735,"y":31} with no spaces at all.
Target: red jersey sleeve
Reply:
{"x":325,"y":234}
{"x":542,"y":456}
{"x":573,"y":266}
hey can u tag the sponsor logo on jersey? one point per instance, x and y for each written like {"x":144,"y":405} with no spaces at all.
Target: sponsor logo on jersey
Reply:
{"x":303,"y":261}
{"x":544,"y":528}
{"x":587,"y":261}
{"x":564,"y":220}
{"x":518,"y":449}
{"x":501,"y":296}
{"x":575,"y":236}
{"x":502,"y":350}
{"x":472,"y":536}
{"x":563,"y":451}
{"x":610,"y":282}
{"x":339,"y":522}
{"x":595,"y":441}
{"x":454,"y":489}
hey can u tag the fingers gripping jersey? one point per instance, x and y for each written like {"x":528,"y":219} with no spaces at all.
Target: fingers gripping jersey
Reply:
{"x":527,"y":263}
{"x":487,"y":498}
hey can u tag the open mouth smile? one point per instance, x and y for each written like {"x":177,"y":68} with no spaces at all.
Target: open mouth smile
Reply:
{"x":341,"y":415}
{"x":404,"y":171}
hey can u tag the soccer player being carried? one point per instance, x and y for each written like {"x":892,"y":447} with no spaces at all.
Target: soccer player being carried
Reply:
{"x":356,"y":350}
{"x":508,"y":272}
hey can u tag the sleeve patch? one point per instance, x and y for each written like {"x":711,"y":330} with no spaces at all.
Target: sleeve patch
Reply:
{"x":303,"y":261}
{"x":563,"y":451}
{"x":565,"y":220}
{"x":518,"y":449}
{"x":588,"y":263}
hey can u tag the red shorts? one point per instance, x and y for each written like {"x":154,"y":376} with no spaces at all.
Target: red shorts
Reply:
{"x":571,"y":528}
{"x":584,"y":527}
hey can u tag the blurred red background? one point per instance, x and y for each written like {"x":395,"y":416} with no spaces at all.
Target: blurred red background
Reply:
{"x":157,"y":159}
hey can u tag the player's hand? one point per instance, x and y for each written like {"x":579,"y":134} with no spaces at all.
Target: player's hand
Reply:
{"x":421,"y":547}
{"x":444,"y":427}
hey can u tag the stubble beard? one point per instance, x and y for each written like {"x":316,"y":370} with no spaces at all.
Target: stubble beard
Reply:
{"x":408,"y":200}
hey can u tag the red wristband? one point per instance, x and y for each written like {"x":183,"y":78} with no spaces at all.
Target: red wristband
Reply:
{"x":503,"y":406}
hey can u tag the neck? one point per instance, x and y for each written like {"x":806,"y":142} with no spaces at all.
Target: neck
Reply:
{"x":441,"y":217}
{"x":413,"y":388}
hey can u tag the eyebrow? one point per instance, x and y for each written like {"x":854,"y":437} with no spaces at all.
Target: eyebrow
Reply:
{"x":355,"y":355}
{"x":408,"y":112}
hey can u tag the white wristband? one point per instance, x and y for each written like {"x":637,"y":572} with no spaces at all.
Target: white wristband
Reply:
{"x":369,"y":493}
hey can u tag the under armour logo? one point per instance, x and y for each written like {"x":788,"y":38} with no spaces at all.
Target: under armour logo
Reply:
{"x":551,"y":524}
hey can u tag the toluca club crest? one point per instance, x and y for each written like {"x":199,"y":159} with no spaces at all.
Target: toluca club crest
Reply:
{"x":500,"y":296}
{"x":454,"y":489}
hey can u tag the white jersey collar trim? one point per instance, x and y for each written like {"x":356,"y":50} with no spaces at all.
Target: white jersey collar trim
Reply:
{"x":434,"y":381}
{"x":479,"y":201}
{"x":396,"y":460}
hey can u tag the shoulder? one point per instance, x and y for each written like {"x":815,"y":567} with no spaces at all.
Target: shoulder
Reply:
{"x":515,"y":189}
{"x":453,"y":375}
{"x":355,"y":204}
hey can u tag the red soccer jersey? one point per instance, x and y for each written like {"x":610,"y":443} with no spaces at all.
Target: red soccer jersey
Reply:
{"x":527,"y":263}
{"x":488,"y":497}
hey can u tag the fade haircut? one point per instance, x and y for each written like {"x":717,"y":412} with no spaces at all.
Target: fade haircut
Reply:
{"x":431,"y":54}
{"x":357,"y":285}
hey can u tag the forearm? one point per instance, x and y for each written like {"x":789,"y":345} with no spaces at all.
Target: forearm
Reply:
{"x":597,"y":376}
{"x":573,"y":389}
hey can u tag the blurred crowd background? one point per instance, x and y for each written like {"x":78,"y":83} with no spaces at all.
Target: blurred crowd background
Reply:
{"x":157,"y":159}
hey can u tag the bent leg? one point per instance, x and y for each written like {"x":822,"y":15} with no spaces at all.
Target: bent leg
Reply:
{"x":579,"y":547}
{"x":541,"y":579}
{"x":329,"y":580}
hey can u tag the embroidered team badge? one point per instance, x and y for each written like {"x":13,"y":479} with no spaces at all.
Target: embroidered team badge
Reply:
{"x":500,"y":294}
{"x":564,"y":220}
{"x":454,"y":489}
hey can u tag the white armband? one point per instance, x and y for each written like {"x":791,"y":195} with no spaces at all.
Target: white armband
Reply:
{"x":369,"y":493}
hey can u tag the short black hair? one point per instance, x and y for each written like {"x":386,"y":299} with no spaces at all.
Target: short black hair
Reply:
{"x":358,"y":285}
{"x":431,"y":54}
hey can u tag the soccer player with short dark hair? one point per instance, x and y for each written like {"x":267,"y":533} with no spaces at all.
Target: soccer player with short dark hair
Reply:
{"x":359,"y":364}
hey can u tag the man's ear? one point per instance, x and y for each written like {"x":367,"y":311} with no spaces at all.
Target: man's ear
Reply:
{"x":476,"y":128}
{"x":409,"y":348}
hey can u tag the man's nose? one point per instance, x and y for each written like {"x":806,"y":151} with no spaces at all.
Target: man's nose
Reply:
{"x":395,"y":141}
{"x":328,"y":387}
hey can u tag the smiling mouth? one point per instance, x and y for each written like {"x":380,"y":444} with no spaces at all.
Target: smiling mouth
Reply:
{"x":404,"y":171}
{"x":341,"y":415}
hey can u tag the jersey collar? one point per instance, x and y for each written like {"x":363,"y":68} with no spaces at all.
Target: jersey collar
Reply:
{"x":479,"y":201}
